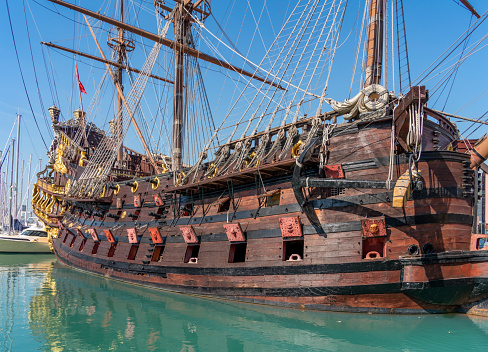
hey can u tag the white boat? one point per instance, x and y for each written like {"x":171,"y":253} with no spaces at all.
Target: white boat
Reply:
{"x":31,"y":240}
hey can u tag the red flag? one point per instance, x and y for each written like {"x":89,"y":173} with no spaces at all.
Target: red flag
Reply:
{"x":82,"y":89}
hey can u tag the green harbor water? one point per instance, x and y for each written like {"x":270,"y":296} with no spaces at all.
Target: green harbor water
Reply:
{"x":48,"y":307}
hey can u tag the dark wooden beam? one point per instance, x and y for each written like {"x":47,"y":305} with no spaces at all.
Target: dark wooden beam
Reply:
{"x":96,"y":58}
{"x":470,"y":8}
{"x":442,"y":113}
{"x":329,"y":182}
{"x":400,"y":115}
{"x":166,"y":42}
{"x":194,"y":7}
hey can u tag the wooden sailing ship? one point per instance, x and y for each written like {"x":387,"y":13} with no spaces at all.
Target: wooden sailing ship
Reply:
{"x":378,"y":213}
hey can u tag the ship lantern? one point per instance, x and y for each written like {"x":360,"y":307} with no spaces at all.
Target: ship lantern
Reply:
{"x":79,"y":115}
{"x":54,"y":112}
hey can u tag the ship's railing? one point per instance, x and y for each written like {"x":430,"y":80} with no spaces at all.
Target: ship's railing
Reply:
{"x":443,"y":121}
{"x":44,"y":217}
{"x":48,"y":185}
{"x":73,"y":152}
{"x":127,"y":173}
{"x":305,"y":122}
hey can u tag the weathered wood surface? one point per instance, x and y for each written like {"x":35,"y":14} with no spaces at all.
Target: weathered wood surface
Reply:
{"x":438,"y":214}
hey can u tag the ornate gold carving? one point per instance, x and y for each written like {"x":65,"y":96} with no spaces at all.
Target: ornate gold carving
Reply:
{"x":134,"y":187}
{"x":179,"y":178}
{"x":59,"y":164}
{"x":82,"y":158}
{"x":155,"y":185}
{"x":52,"y":233}
{"x":67,"y":186}
{"x":295,"y":150}
{"x":103,"y":192}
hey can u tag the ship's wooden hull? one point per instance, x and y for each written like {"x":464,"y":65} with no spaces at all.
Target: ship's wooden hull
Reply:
{"x":347,"y":248}
{"x":383,"y":286}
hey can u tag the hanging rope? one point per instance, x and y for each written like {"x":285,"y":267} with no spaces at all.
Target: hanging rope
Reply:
{"x":93,"y":178}
{"x":392,"y":153}
{"x":304,"y":46}
{"x":324,"y":152}
{"x":22,"y":75}
{"x":416,"y":127}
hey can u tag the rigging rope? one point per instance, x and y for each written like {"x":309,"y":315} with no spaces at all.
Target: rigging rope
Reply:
{"x":22,"y":75}
{"x":91,"y":182}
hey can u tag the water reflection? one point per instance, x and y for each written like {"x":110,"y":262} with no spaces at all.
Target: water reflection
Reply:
{"x":20,"y":278}
{"x":70,"y":310}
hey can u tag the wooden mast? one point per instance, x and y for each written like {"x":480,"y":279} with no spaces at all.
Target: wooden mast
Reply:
{"x":120,"y":48}
{"x":112,"y":63}
{"x":181,"y":25}
{"x":470,"y":8}
{"x":374,"y":53}
{"x":182,"y":20}
{"x":119,"y":90}
{"x":166,"y":42}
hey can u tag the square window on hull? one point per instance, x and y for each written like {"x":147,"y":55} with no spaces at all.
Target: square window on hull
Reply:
{"x":374,"y":247}
{"x":191,"y":255}
{"x":95,"y":247}
{"x":157,"y":253}
{"x":292,"y":250}
{"x":224,"y":206}
{"x":237,"y":252}
{"x":133,"y":252}
{"x":273,"y":199}
{"x":111,"y":251}
{"x":82,"y":245}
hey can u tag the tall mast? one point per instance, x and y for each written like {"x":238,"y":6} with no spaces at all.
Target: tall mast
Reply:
{"x":10,"y":218}
{"x":121,"y":46}
{"x":120,"y":60}
{"x":6,"y":221}
{"x":19,"y":213}
{"x":17,"y":166}
{"x":182,"y":21}
{"x":2,"y":209}
{"x":374,"y":52}
{"x":181,"y":27}
{"x":28,"y":187}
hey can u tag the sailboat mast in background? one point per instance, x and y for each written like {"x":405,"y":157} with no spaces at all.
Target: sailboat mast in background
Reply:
{"x":16,"y":187}
{"x":10,"y":220}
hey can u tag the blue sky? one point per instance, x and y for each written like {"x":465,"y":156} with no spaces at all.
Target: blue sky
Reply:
{"x":431,"y":27}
